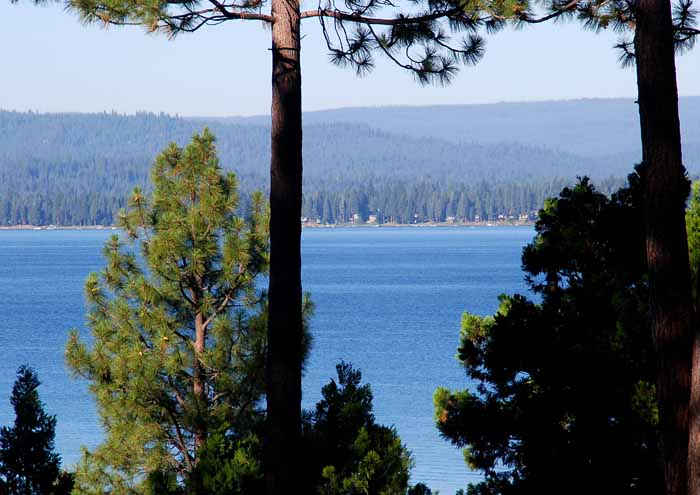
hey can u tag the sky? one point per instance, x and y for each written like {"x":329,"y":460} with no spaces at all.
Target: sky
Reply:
{"x":51,"y":62}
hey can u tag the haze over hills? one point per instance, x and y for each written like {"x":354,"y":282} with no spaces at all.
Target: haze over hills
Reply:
{"x":587,"y":127}
{"x":405,"y":163}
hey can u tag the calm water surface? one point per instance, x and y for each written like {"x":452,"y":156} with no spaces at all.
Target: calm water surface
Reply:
{"x":389,"y":300}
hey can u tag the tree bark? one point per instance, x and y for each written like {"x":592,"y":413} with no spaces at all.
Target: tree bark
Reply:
{"x":666,"y":189}
{"x":200,"y":430}
{"x":284,"y":352}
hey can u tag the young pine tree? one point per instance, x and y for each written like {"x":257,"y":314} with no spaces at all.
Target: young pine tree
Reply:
{"x":178,"y":329}
{"x":28,"y":464}
{"x":346,"y":451}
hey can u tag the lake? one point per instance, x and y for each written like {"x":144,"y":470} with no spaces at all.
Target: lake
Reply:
{"x":389,"y":300}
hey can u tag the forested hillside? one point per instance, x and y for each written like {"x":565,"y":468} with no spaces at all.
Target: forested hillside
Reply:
{"x":76,"y":169}
{"x":587,"y":127}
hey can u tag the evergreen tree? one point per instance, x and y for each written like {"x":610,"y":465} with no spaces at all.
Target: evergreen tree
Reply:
{"x":661,"y":29}
{"x":28,"y":463}
{"x":564,"y":397}
{"x":346,"y":451}
{"x":675,"y":322}
{"x":178,"y":325}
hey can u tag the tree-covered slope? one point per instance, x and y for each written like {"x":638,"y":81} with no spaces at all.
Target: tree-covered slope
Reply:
{"x":434,"y":162}
{"x":587,"y":127}
{"x":332,"y":150}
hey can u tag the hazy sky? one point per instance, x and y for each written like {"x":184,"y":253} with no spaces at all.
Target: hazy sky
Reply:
{"x":52,"y":63}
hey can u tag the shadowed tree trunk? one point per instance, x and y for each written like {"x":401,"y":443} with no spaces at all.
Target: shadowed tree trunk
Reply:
{"x":285,"y":311}
{"x":666,"y":189}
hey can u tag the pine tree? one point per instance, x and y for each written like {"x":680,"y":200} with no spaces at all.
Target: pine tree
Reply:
{"x":563,"y":394}
{"x":661,"y":28}
{"x":345,"y":450}
{"x":674,"y":318}
{"x":177,"y":322}
{"x":28,"y":463}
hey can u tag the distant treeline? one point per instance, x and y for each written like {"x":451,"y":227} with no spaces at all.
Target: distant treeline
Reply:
{"x":77,"y":169}
{"x":70,"y":192}
{"x":83,"y":203}
{"x":428,"y":201}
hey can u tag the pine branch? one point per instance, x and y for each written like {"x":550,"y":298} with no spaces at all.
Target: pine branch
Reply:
{"x":180,"y":441}
{"x":397,"y":21}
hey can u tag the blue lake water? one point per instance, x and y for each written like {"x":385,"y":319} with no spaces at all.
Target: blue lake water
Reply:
{"x":389,"y":300}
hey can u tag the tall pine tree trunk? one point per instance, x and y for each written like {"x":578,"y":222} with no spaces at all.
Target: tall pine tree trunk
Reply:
{"x":200,"y":430}
{"x":285,"y":319}
{"x":666,"y":242}
{"x":200,"y":433}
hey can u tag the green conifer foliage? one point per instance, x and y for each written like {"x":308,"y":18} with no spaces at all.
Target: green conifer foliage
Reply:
{"x":563,"y":392}
{"x":228,"y":465}
{"x":178,"y":325}
{"x":692,"y":225}
{"x":28,"y":464}
{"x":347,"y":452}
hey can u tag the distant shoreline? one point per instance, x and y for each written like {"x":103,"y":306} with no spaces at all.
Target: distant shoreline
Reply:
{"x":59,"y":227}
{"x":421,"y":225}
{"x":306,"y":226}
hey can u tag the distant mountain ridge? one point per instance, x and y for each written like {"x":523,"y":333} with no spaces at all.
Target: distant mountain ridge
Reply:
{"x":333,"y":151}
{"x":588,"y":127}
{"x":406,"y":162}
